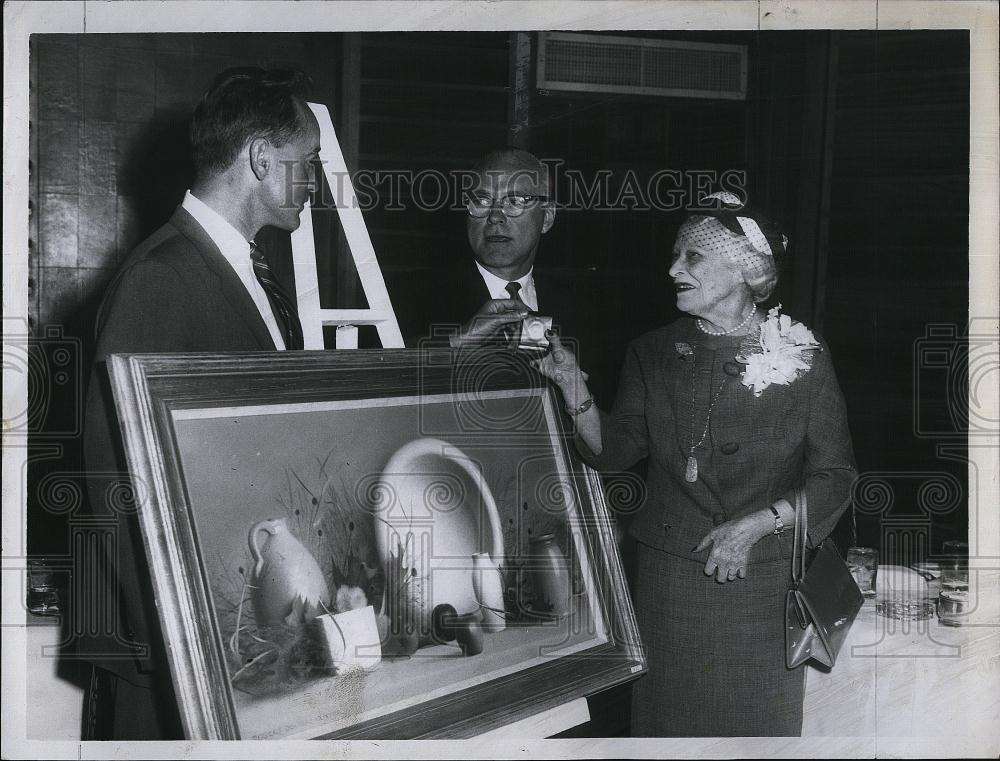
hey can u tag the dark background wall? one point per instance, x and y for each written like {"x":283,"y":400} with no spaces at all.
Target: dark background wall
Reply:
{"x":857,"y":141}
{"x":894,"y":302}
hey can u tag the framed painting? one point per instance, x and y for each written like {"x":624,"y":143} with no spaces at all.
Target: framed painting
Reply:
{"x":370,"y":544}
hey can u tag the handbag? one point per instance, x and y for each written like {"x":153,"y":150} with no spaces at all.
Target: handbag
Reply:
{"x":823,"y":602}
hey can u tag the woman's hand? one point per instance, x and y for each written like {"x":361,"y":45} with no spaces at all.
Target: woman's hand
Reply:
{"x":731,"y":544}
{"x":559,"y":365}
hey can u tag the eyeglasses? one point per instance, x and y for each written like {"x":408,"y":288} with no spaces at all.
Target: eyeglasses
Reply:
{"x":513,"y":205}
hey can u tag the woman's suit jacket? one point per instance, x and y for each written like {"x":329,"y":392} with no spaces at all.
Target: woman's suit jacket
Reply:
{"x":756,"y":450}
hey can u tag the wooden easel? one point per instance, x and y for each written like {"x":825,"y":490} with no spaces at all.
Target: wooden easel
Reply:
{"x":311,"y":314}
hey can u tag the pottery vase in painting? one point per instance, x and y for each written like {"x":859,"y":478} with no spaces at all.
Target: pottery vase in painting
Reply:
{"x":284,"y":574}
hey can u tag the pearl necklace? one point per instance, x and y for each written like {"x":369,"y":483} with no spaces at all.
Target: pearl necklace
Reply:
{"x":746,"y":321}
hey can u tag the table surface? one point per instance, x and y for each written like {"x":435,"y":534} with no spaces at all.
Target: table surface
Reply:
{"x":913,"y":678}
{"x":54,"y":695}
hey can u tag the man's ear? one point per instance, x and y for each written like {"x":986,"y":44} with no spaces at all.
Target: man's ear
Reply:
{"x":548,"y":219}
{"x":260,"y":157}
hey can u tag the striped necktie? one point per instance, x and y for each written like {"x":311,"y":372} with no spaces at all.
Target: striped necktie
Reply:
{"x":282,"y":306}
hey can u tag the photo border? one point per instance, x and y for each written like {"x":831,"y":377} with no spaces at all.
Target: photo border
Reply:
{"x":25,"y":18}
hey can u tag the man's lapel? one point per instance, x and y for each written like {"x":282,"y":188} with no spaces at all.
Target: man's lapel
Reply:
{"x":471,"y":291}
{"x":544,"y":291}
{"x":229,"y":285}
{"x":558,"y":299}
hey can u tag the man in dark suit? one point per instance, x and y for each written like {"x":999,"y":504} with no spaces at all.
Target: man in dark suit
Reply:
{"x":508,"y":212}
{"x":197,"y":284}
{"x":475,"y":301}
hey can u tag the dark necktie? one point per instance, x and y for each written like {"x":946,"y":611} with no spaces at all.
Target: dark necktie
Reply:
{"x":511,"y":332}
{"x":514,"y":289}
{"x":282,"y":306}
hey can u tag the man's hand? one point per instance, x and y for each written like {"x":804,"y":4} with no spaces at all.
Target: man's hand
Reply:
{"x":731,"y":544}
{"x":488,"y":321}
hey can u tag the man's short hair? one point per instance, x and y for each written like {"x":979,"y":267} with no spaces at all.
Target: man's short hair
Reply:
{"x":241,"y":105}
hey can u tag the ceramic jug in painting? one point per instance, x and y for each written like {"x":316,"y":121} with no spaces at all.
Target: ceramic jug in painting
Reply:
{"x":283,"y":571}
{"x":553,"y":584}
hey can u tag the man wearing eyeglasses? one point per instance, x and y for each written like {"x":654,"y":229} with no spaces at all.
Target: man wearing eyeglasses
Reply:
{"x":508,"y":214}
{"x":508,"y":211}
{"x":479,"y":300}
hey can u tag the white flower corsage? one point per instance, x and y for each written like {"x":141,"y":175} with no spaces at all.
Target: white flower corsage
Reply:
{"x":780,"y":353}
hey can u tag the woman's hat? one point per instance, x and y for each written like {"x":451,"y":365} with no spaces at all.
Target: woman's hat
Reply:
{"x":741,"y":219}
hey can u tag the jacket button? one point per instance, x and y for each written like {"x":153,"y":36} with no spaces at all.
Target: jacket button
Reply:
{"x":730,"y":447}
{"x":732,"y":369}
{"x":718,"y":519}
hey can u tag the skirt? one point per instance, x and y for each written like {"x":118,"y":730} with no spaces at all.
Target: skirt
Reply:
{"x":716,"y":652}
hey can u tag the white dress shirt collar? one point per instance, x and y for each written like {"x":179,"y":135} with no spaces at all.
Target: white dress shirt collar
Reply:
{"x":230,"y":241}
{"x":497,"y":286}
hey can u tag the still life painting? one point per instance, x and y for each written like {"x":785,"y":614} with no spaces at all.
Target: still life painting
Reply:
{"x":368,"y":559}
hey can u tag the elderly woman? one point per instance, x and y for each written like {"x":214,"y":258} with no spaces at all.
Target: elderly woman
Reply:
{"x":735,"y":409}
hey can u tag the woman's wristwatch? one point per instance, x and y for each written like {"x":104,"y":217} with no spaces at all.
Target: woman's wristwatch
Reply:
{"x":779,"y":525}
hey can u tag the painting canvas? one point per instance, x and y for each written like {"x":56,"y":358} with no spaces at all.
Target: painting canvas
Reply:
{"x":372,"y":545}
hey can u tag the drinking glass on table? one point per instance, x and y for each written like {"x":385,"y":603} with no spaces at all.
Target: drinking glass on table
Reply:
{"x":955,"y":565}
{"x":862,"y":562}
{"x":43,"y":591}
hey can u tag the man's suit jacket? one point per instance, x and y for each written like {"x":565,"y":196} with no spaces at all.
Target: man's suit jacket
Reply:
{"x":175,"y":293}
{"x":449,"y":298}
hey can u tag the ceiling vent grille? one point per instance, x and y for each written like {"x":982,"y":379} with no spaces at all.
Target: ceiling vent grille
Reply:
{"x":640,"y":66}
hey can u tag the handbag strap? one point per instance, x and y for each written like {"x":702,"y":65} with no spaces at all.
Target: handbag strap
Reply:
{"x":799,"y":537}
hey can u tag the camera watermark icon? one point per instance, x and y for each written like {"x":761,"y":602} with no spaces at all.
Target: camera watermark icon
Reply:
{"x":51,"y":366}
{"x":955,"y":376}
